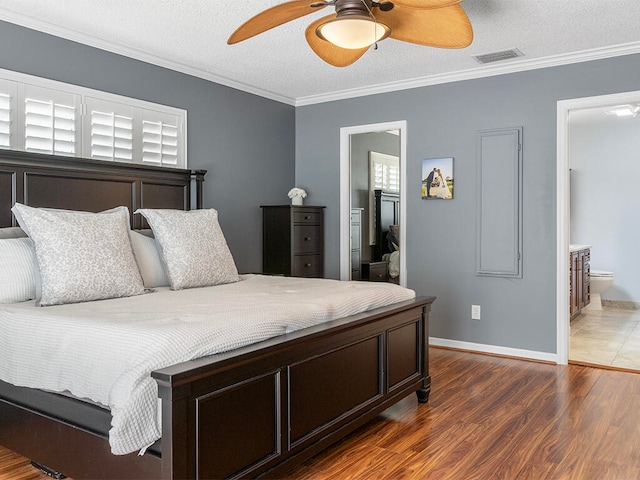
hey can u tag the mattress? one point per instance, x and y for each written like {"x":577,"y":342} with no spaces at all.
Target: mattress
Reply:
{"x":104,"y":351}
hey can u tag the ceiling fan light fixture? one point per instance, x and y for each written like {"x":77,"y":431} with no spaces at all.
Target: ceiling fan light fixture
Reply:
{"x":353,"y":31}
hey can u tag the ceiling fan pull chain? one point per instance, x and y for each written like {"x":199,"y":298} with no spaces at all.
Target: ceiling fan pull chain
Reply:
{"x":375,"y":23}
{"x":369,"y":10}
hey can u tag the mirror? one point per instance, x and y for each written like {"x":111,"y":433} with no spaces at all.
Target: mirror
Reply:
{"x":372,"y":203}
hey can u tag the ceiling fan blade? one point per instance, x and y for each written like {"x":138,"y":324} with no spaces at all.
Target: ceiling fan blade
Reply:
{"x":447,"y":27}
{"x":330,"y":53}
{"x":427,"y":4}
{"x":273,"y":17}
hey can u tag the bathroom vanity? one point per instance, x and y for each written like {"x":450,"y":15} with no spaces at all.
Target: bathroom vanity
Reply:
{"x":579,"y":288}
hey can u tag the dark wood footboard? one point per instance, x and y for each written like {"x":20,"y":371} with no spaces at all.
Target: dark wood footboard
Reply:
{"x":253,"y":412}
{"x":263,"y":409}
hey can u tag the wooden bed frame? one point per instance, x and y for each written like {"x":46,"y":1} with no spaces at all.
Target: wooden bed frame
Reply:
{"x":257,"y":411}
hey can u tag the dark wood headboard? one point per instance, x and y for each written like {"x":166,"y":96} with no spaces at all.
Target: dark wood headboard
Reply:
{"x":386,"y":212}
{"x":55,"y":181}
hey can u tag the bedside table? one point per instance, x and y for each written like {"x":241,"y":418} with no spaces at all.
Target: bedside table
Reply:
{"x":375,"y":271}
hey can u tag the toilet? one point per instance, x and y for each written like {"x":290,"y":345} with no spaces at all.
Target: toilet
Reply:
{"x":600,"y":282}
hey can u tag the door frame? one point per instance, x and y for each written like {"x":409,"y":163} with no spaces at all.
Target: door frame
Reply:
{"x":345,"y":193}
{"x":563,"y":206}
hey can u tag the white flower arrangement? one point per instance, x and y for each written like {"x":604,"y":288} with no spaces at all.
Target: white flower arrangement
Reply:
{"x":297,"y":193}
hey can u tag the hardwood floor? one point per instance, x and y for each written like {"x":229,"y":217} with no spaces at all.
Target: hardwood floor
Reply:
{"x":15,"y":467}
{"x":497,"y":418}
{"x":487,"y":418}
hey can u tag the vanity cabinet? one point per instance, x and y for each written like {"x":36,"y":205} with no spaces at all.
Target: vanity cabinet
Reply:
{"x":579,"y":284}
{"x":293,"y":240}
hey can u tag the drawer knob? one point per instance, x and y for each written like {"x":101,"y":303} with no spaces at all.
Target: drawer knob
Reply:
{"x":307,"y":217}
{"x":306,"y":239}
{"x":307,"y":264}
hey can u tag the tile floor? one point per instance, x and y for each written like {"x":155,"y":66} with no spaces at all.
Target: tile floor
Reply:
{"x":608,"y":337}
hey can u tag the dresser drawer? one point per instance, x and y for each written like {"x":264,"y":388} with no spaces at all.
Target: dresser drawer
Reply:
{"x":308,"y":266}
{"x":355,"y":238}
{"x":312,"y":217}
{"x":355,"y":259}
{"x":307,"y":239}
{"x":375,"y":271}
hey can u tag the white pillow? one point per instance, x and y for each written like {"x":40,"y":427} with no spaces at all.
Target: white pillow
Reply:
{"x":81,"y":256}
{"x":148,"y":259}
{"x":193,"y":247}
{"x":19,"y":271}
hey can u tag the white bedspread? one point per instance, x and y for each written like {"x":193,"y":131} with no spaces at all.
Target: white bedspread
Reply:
{"x":105,"y":350}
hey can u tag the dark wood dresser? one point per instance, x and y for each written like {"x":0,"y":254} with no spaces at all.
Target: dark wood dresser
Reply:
{"x":293,"y":240}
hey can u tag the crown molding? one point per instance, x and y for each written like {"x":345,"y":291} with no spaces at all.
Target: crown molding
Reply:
{"x":114,"y":47}
{"x":475,"y":73}
{"x":470,"y":74}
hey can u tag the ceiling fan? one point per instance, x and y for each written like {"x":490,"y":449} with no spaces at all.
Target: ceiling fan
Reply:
{"x":343,"y":37}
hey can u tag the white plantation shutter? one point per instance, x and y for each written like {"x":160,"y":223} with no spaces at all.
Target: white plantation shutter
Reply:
{"x":50,"y":121}
{"x":385,"y":172}
{"x":8,"y":114}
{"x":160,"y":142}
{"x":393,"y":178}
{"x":110,"y":131}
{"x":5,"y":120}
{"x":111,"y":136}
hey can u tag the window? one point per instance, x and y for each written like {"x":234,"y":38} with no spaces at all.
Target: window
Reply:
{"x":160,"y":142}
{"x":49,"y":121}
{"x":5,"y":120}
{"x":385,"y":174}
{"x":43,"y":116}
{"x":110,"y":136}
{"x":8,"y":95}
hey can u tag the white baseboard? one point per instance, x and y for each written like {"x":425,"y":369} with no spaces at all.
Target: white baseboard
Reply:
{"x":493,"y":349}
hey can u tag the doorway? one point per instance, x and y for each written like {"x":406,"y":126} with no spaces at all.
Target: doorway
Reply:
{"x":346,"y":136}
{"x":563,"y":204}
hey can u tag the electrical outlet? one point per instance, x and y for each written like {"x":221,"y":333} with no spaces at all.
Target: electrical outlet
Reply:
{"x":475,"y":312}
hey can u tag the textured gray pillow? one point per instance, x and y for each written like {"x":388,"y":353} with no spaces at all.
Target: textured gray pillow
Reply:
{"x":82,"y":256}
{"x":19,"y":270}
{"x":25,"y":231}
{"x":193,"y":247}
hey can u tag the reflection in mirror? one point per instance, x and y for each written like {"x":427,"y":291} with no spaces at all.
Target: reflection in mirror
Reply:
{"x":375,"y":219}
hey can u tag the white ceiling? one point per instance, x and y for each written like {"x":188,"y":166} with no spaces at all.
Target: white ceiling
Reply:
{"x":190,"y":36}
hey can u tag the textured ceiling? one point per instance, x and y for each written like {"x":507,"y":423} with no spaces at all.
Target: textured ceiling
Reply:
{"x":190,"y":36}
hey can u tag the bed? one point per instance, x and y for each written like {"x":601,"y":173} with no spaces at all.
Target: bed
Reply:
{"x":255,"y":411}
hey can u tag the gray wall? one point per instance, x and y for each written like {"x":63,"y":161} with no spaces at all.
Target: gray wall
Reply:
{"x":605,"y":198}
{"x":442,"y":121}
{"x":246,"y":142}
